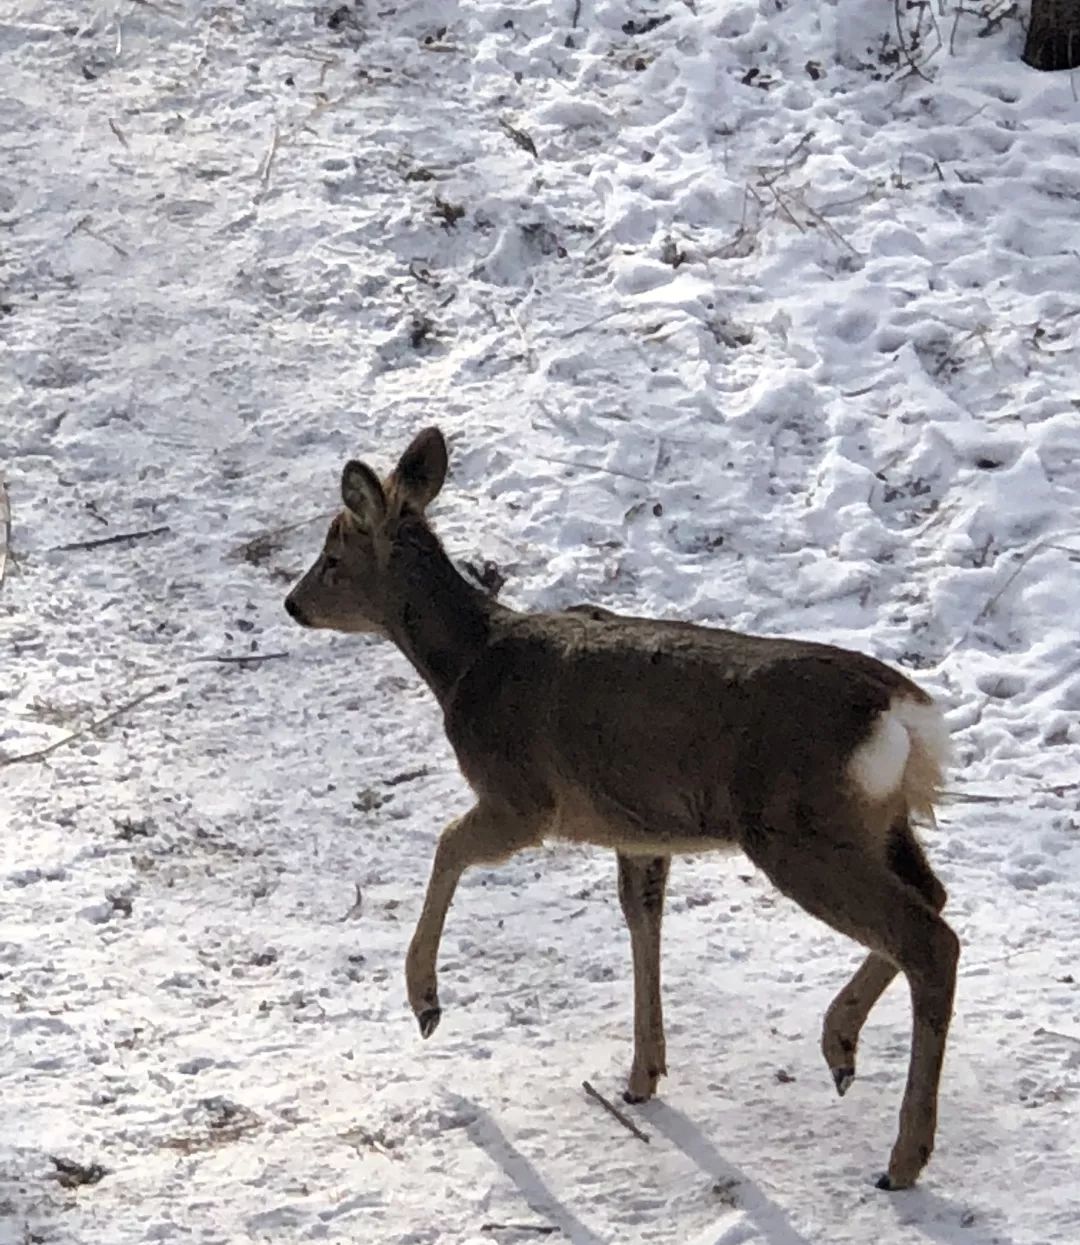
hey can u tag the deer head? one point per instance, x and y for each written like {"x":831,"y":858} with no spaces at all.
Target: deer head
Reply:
{"x":348,"y":588}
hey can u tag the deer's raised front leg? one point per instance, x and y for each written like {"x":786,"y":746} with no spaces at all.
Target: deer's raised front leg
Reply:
{"x":642,"y":881}
{"x":486,"y":835}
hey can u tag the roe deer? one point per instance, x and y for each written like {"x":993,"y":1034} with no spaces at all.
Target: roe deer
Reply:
{"x":655,"y":738}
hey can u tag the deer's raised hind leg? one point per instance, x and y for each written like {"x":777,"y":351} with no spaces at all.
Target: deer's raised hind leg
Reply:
{"x":838,"y":878}
{"x":486,"y":835}
{"x":848,"y":1012}
{"x":642,"y":881}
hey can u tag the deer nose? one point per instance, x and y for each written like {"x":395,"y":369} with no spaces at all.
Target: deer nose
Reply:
{"x":294,"y":611}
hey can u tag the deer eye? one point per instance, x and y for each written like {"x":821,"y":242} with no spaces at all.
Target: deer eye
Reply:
{"x":330,"y":562}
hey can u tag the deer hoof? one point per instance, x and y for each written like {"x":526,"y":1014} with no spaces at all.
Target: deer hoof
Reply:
{"x":842,"y":1079}
{"x":429,"y":1020}
{"x":886,"y":1182}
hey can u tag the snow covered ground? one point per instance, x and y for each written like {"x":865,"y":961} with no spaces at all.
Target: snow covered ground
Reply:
{"x":765,"y":331}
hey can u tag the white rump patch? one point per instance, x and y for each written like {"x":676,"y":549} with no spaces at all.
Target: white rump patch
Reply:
{"x":878,"y":765}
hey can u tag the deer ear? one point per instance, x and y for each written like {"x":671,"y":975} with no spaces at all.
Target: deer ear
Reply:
{"x":363,"y":494}
{"x":422,"y":469}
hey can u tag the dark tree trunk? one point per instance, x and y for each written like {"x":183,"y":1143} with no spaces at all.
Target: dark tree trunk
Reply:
{"x":1053,"y":40}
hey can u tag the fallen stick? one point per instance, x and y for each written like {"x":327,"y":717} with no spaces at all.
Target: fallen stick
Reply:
{"x":98,"y":541}
{"x":611,"y":1109}
{"x":40,"y":754}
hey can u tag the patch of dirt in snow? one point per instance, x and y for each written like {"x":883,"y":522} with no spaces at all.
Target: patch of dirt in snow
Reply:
{"x":727,"y":316}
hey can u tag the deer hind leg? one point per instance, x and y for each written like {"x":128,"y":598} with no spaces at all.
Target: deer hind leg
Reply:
{"x":848,"y":1012}
{"x":642,"y":881}
{"x":486,"y":835}
{"x":841,"y":880}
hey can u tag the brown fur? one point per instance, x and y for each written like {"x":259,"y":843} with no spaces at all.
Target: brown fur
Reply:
{"x":654,"y":739}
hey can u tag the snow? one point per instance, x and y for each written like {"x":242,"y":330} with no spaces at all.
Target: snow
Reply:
{"x":770,"y":333}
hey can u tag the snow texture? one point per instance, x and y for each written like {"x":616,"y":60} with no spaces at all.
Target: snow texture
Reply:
{"x":769,"y":332}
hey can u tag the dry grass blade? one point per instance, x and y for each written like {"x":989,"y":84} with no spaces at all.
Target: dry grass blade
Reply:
{"x":266,"y":164}
{"x":39,"y":754}
{"x":172,"y":11}
{"x":1025,"y":558}
{"x":5,"y":529}
{"x":611,"y":471}
{"x":784,"y":208}
{"x":976,"y":797}
{"x":614,"y":1111}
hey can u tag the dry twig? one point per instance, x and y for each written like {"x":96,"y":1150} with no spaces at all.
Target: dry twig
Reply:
{"x":357,"y":908}
{"x":83,"y":225}
{"x":39,"y":754}
{"x":241,"y":659}
{"x":541,"y":1229}
{"x":611,"y":1109}
{"x":906,"y":52}
{"x":519,"y":137}
{"x":98,"y":541}
{"x":566,"y":334}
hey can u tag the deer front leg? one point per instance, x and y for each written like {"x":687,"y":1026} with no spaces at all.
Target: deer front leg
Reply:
{"x":641,"y":893}
{"x":484,"y":836}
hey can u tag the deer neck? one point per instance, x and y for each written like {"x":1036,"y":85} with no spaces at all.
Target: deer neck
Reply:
{"x":439,"y":621}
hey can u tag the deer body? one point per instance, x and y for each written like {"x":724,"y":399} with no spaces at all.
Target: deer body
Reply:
{"x":651,"y":737}
{"x":655,"y":739}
